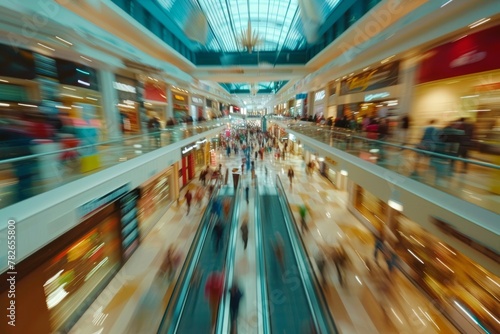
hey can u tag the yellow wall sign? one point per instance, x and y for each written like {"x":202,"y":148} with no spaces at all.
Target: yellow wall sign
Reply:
{"x":179,"y":97}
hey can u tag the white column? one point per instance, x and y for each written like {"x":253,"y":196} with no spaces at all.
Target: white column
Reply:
{"x":170,"y":103}
{"x":109,"y":102}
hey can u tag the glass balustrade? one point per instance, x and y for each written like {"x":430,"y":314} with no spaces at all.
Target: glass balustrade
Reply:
{"x":42,"y":165}
{"x":474,"y":181}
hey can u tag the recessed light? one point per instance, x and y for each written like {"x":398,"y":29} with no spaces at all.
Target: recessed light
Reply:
{"x":87,"y":59}
{"x":45,"y":46}
{"x":63,"y":40}
{"x":479,"y":22}
{"x":447,"y":2}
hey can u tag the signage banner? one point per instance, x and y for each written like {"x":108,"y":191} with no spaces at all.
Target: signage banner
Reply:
{"x":301,"y":96}
{"x":383,"y":76}
{"x":197,"y":100}
{"x":468,"y":55}
{"x":155,"y":92}
{"x":95,"y":204}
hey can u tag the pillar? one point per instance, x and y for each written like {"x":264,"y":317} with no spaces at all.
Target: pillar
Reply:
{"x":109,"y":101}
{"x":170,"y":103}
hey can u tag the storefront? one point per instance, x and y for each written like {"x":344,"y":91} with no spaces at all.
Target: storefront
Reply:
{"x":156,"y":195}
{"x":462,"y":289}
{"x":55,"y":285}
{"x":460,"y":79}
{"x":213,"y":110}
{"x":197,"y":108}
{"x":373,"y":93}
{"x":187,"y":169}
{"x":180,"y":107}
{"x":155,"y":100}
{"x":319,"y":104}
{"x":128,"y":104}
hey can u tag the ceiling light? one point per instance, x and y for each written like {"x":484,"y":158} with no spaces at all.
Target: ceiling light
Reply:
{"x":459,"y":38}
{"x":27,"y":105}
{"x":69,"y":88}
{"x":87,"y":59}
{"x":479,"y":22}
{"x":45,"y":46}
{"x":344,"y":172}
{"x":62,"y":107}
{"x":366,"y":68}
{"x":63,"y":40}
{"x":2,"y":80}
{"x":387,"y":59}
{"x":4,"y":105}
{"x":447,"y":2}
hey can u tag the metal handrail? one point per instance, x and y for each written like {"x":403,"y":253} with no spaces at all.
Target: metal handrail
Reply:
{"x":176,"y":304}
{"x":262,"y":297}
{"x":310,"y":290}
{"x":223,"y":313}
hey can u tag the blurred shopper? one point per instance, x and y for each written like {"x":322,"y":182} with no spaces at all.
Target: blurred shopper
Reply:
{"x":154,"y":128}
{"x":247,"y":189}
{"x":291,"y":174}
{"x":303,"y":212}
{"x":16,"y":143}
{"x":430,"y":137}
{"x":188,"y":197}
{"x":466,"y":143}
{"x":199,"y":195}
{"x":214,"y":288}
{"x":218,"y":232}
{"x":341,"y":261}
{"x":403,"y":129}
{"x":226,"y":206}
{"x":170,"y":263}
{"x":279,"y":250}
{"x":234,"y":306}
{"x":244,"y":232}
{"x":321,"y":263}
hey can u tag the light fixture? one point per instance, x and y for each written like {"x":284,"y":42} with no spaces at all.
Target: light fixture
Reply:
{"x":344,"y":172}
{"x":395,"y":201}
{"x":479,"y":22}
{"x":63,"y":40}
{"x":447,"y":2}
{"x":47,"y":47}
{"x":2,"y":80}
{"x":85,"y":58}
{"x":387,"y":59}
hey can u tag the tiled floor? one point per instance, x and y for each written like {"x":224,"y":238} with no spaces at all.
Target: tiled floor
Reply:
{"x":361,"y":306}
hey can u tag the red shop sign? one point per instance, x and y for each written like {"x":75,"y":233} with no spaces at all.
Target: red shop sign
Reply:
{"x":468,"y":55}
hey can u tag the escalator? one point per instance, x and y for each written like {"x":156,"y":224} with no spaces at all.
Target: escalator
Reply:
{"x":188,"y":310}
{"x":295,"y":303}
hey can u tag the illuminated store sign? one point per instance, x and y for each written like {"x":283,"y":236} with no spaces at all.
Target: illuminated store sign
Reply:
{"x":377,"y":96}
{"x":179,"y":97}
{"x":189,"y":148}
{"x":319,"y":95}
{"x":196,"y":100}
{"x":124,"y":87}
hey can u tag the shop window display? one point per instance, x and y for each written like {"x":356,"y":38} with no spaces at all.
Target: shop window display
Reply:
{"x":75,"y":272}
{"x":372,"y":208}
{"x":446,"y":275}
{"x":155,"y":197}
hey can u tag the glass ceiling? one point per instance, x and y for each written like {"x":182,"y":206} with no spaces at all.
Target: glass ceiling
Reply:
{"x":270,"y":87}
{"x":280,"y":24}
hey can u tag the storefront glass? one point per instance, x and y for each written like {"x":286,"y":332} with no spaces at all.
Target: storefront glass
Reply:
{"x":76,"y":272}
{"x":448,"y":276}
{"x":372,"y":208}
{"x":128,"y":105}
{"x":154,"y":200}
{"x":181,"y":107}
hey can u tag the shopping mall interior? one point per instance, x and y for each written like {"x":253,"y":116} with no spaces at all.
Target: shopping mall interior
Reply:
{"x":250,"y":166}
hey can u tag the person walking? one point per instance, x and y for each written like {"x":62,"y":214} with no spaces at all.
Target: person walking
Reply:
{"x":218,"y":231}
{"x":234,"y":306}
{"x":279,"y":251}
{"x":247,"y":189}
{"x":291,"y":174}
{"x":188,"y":197}
{"x":214,"y":288}
{"x":244,"y":232}
{"x":303,"y":212}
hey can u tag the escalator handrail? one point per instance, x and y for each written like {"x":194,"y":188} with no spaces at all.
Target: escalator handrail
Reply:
{"x":262,"y":297}
{"x":177,"y":300}
{"x":306,"y":269}
{"x":223,"y":313}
